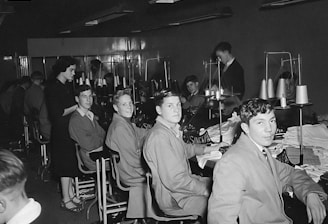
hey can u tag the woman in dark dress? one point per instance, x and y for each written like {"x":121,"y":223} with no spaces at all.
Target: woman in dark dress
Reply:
{"x":61,"y":104}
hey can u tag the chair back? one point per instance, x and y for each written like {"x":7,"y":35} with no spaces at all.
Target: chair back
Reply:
{"x":115,"y":157}
{"x":80,"y":163}
{"x":153,"y":210}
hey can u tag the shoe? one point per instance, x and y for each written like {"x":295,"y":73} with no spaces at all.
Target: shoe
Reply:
{"x":75,"y":209}
{"x":78,"y":201}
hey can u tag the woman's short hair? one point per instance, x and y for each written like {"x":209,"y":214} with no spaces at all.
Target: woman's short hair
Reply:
{"x":62,"y":64}
{"x":159,"y":96}
{"x":12,"y":170}
{"x":251,"y":108}
{"x":120,"y":93}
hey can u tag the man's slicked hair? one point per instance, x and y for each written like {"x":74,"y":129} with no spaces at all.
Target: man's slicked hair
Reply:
{"x":12,"y":170}
{"x":159,"y":96}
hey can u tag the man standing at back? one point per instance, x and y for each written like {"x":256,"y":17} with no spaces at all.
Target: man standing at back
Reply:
{"x":248,"y":183}
{"x":232,"y":77}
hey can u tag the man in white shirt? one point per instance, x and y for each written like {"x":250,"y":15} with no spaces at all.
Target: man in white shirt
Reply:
{"x":232,"y":78}
{"x":248,"y":184}
{"x":15,"y":206}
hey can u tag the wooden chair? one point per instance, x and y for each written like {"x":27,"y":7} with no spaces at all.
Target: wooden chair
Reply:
{"x":106,"y":204}
{"x":43,"y":170}
{"x":87,"y":182}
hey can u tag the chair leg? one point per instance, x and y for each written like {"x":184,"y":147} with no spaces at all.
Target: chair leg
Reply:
{"x":89,"y":208}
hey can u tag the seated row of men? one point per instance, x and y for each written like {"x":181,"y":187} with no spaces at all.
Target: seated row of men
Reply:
{"x":247,"y":184}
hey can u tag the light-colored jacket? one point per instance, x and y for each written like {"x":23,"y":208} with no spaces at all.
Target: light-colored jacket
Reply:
{"x":177,"y":190}
{"x":127,"y":139}
{"x":245,"y":186}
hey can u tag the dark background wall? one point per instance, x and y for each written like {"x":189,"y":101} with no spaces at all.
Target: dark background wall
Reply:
{"x":301,"y":29}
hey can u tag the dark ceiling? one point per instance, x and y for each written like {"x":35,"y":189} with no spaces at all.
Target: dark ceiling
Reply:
{"x":47,"y":18}
{"x":23,"y":19}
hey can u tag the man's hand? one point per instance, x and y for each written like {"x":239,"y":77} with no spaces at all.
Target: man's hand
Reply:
{"x":215,"y":147}
{"x":316,"y":210}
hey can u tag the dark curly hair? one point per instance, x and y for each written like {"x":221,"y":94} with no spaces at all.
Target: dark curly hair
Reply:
{"x":253,"y":107}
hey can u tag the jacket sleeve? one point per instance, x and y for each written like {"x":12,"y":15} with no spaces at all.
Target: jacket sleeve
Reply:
{"x":226,"y":198}
{"x":88,"y":139}
{"x":300,"y":182}
{"x":173,"y":166}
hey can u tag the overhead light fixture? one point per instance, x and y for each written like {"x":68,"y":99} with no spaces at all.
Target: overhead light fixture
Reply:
{"x":99,"y":17}
{"x":107,"y":17}
{"x":198,"y":19}
{"x":136,"y":31}
{"x":281,"y":3}
{"x":65,"y":32}
{"x":162,"y":1}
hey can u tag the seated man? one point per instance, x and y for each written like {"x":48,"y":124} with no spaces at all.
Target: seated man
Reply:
{"x":15,"y":206}
{"x":248,"y":182}
{"x":127,"y":139}
{"x":177,"y":190}
{"x":84,"y":128}
{"x":194,"y":100}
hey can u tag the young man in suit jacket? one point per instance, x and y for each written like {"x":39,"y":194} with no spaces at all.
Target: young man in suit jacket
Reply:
{"x":232,"y":77}
{"x":248,"y":183}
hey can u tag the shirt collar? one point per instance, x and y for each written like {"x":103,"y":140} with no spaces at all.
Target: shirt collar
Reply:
{"x":27,"y":214}
{"x":175,"y":129}
{"x":230,"y":62}
{"x":195,"y":93}
{"x":257,"y":145}
{"x":89,"y":114}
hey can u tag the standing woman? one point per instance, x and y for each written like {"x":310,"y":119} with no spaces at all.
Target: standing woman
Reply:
{"x":61,"y":104}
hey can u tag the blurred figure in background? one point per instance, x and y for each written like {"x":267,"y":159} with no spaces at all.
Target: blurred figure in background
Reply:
{"x":194,"y":101}
{"x":232,"y":77}
{"x":34,"y":104}
{"x":17,"y":108}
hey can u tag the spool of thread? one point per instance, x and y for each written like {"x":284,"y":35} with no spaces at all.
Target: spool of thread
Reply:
{"x":283,"y":101}
{"x":152,"y":88}
{"x":217,"y":94}
{"x":281,"y":88}
{"x":263,"y":90}
{"x":87,"y":82}
{"x":301,"y":94}
{"x":161,"y":85}
{"x":212,"y":93}
{"x":270,"y":89}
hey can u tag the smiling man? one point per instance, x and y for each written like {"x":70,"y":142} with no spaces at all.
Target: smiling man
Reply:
{"x":177,"y":190}
{"x":84,"y":128}
{"x":248,"y":182}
